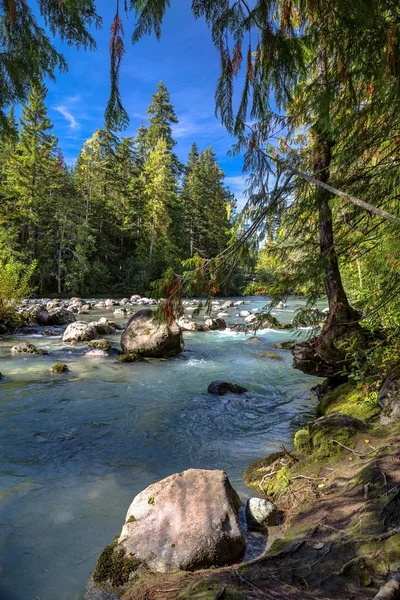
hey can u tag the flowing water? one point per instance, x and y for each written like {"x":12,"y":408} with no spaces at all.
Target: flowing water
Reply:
{"x":76,"y":448}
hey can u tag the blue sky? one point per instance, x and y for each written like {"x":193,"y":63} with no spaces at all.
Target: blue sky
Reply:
{"x":184,"y":59}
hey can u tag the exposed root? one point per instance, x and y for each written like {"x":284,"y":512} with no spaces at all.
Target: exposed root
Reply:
{"x":391,"y":589}
{"x":351,"y":563}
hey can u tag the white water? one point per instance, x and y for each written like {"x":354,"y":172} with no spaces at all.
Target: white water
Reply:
{"x":76,"y":448}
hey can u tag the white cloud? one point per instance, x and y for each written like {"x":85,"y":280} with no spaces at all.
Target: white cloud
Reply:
{"x":189,"y":127}
{"x":66,"y":113}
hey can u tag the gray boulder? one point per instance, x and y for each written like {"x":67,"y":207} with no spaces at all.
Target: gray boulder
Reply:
{"x":104,"y":326}
{"x":187,"y":521}
{"x":261,"y":513}
{"x":389,"y":399}
{"x":188,"y":324}
{"x":146,"y":336}
{"x":60,"y":316}
{"x":215,"y":324}
{"x":228,"y":304}
{"x":224,"y":387}
{"x":36,"y":314}
{"x":80,"y":332}
{"x":25,"y":348}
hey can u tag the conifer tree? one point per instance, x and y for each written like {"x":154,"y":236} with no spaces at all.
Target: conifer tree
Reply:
{"x":31,"y":177}
{"x":159,"y":186}
{"x":161,"y":116}
{"x":188,"y":196}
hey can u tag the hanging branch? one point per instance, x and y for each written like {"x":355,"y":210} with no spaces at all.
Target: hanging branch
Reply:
{"x":116,"y":116}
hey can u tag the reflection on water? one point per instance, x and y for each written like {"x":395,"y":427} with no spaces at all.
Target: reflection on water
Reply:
{"x":77,"y":447}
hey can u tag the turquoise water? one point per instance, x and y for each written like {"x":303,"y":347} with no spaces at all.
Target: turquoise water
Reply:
{"x":77,"y":448}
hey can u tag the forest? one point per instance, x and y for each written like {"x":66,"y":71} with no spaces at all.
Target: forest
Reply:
{"x":125,"y":212}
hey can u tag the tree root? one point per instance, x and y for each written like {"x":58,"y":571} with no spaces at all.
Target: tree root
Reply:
{"x":354,"y":561}
{"x":391,"y":589}
{"x":375,"y":538}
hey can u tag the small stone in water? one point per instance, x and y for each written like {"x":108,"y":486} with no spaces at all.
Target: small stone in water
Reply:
{"x":261,"y":513}
{"x":59,"y":368}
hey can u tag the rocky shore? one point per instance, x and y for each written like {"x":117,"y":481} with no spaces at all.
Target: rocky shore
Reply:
{"x":336,"y":530}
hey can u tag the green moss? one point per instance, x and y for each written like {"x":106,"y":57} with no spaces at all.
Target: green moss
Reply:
{"x":101,"y":344}
{"x":148,"y":331}
{"x":114,"y":567}
{"x":151,"y":500}
{"x":131,"y":519}
{"x":279,"y":483}
{"x":59,"y":368}
{"x":270,"y":355}
{"x":286,"y":345}
{"x":322,"y":441}
{"x":129,"y":358}
{"x":302,"y":442}
{"x":349,"y":399}
{"x":209,"y":589}
{"x":257,"y":469}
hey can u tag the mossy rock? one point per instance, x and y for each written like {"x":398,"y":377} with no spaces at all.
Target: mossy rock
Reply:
{"x":100,"y":344}
{"x":25,"y":348}
{"x":334,"y":427}
{"x":302,"y":442}
{"x":349,"y":399}
{"x":210,"y":589}
{"x":270,"y":355}
{"x":129,"y":358}
{"x":114,"y":567}
{"x":257,"y":469}
{"x":59,"y":368}
{"x":286,"y":345}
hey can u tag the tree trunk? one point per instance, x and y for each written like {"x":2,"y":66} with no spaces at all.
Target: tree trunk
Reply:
{"x":340,"y":311}
{"x":326,"y":355}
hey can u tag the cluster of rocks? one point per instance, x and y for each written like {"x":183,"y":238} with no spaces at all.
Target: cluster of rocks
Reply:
{"x":229,"y":309}
{"x":185,"y":522}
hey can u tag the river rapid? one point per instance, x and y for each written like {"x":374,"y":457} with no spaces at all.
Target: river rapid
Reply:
{"x":76,"y":448}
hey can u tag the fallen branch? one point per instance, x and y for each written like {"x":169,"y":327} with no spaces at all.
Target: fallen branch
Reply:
{"x":311,"y":478}
{"x":288,"y":453}
{"x":351,"y":450}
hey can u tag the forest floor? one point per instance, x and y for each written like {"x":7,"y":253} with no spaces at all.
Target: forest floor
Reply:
{"x":339,"y":537}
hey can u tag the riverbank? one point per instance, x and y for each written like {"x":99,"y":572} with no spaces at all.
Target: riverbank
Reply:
{"x":338,"y":493}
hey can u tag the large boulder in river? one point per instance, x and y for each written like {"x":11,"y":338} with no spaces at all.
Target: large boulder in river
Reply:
{"x":36,"y":314}
{"x":60,"y":316}
{"x":80,"y":332}
{"x":187,"y":521}
{"x":389,"y":399}
{"x":147,"y":336}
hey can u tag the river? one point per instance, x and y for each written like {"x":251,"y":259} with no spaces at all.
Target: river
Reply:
{"x":76,"y":448}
